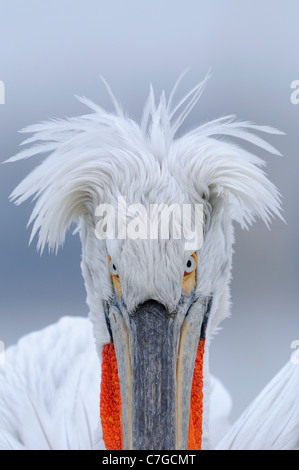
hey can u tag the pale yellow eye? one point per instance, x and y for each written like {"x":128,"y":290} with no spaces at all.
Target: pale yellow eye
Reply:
{"x":189,"y":279}
{"x":115,"y":277}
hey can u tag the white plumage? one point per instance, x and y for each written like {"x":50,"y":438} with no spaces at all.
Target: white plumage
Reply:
{"x":49,"y":385}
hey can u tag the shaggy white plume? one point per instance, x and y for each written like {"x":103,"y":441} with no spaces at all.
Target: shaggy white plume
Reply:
{"x":94,"y":157}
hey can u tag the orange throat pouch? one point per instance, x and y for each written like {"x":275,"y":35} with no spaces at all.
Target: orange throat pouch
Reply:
{"x":110,"y":402}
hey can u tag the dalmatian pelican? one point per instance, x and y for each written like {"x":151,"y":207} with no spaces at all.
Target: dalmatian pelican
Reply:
{"x":154,"y":302}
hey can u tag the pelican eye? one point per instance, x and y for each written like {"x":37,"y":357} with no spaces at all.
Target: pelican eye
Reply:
{"x":113,"y":270}
{"x":115,"y":277}
{"x":189,"y":279}
{"x":190,"y":265}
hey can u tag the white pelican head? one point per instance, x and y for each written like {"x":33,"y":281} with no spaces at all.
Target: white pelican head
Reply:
{"x":154,"y":301}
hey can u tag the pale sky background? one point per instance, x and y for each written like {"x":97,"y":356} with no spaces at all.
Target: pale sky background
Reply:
{"x":52,"y":50}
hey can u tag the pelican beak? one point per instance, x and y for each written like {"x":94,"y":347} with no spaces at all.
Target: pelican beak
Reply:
{"x":156,"y":353}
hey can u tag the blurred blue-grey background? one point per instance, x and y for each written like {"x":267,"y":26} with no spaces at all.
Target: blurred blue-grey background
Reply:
{"x":51,"y":50}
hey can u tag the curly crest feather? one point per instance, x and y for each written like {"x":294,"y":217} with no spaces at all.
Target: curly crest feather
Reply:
{"x":100,"y":154}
